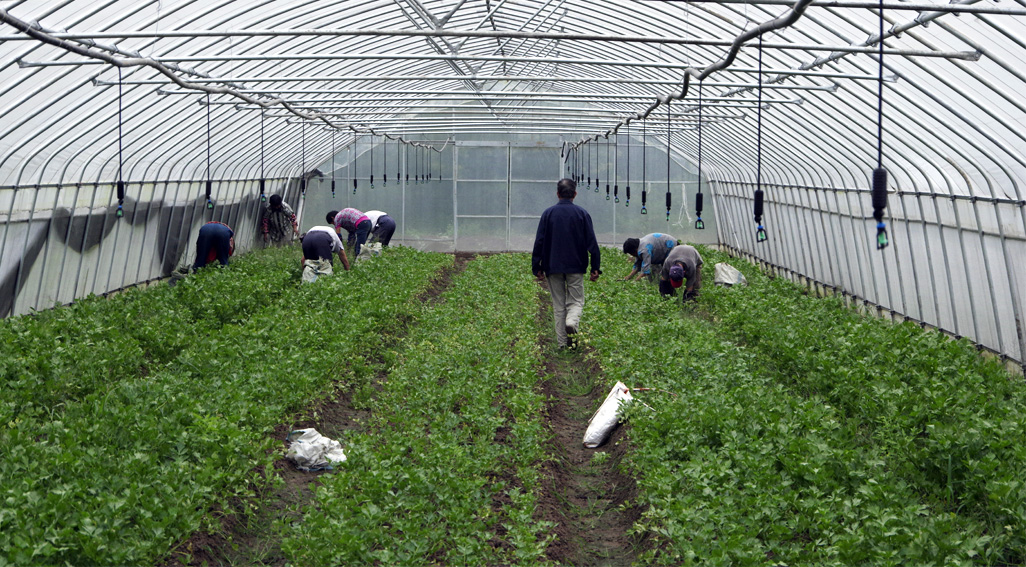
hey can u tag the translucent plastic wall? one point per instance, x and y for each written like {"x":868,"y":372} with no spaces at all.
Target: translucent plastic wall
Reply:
{"x":488,"y":196}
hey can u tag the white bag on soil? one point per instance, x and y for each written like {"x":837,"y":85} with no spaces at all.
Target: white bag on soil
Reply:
{"x":602,"y":423}
{"x":312,"y":451}
{"x":728,"y":275}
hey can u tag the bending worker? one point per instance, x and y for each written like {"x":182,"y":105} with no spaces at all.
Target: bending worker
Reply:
{"x":382,"y":227}
{"x":318,"y":244}
{"x":649,"y":253}
{"x":683,"y":263}
{"x":355,"y":222}
{"x":216,"y":241}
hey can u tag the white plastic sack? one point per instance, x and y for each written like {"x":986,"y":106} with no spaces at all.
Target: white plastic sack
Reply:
{"x":312,"y":451}
{"x":605,"y":419}
{"x":728,"y":275}
{"x":369,"y":250}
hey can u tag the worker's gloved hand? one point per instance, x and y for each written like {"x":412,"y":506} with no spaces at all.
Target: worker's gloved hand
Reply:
{"x":666,"y":289}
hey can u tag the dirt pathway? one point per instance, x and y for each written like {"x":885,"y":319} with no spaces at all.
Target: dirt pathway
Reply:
{"x":247,"y":533}
{"x":584,"y":491}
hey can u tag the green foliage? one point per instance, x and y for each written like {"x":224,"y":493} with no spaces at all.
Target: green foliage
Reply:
{"x":126,"y":419}
{"x":805,"y":434}
{"x":446,"y":472}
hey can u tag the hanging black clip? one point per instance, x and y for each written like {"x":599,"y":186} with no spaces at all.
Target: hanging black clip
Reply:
{"x":210,"y":203}
{"x":616,"y":193}
{"x":332,"y":188}
{"x":354,"y":186}
{"x":668,"y":201}
{"x":628,"y":196}
{"x":607,"y":191}
{"x":596,"y":184}
{"x":699,"y":224}
{"x":121,"y":199}
{"x":879,"y":204}
{"x":263,"y":194}
{"x":372,"y":181}
{"x":384,"y":181}
{"x":644,"y":197}
{"x":760,"y":231}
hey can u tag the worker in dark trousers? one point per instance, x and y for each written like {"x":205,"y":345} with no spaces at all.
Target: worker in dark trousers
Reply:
{"x":216,"y":241}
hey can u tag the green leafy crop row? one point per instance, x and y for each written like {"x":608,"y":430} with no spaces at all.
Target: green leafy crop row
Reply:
{"x":760,"y":447}
{"x":126,"y":419}
{"x":446,"y":471}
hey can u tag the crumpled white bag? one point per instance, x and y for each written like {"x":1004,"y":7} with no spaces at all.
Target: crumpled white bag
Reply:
{"x":369,"y":250}
{"x":728,"y":275}
{"x":602,"y":423}
{"x":312,"y":451}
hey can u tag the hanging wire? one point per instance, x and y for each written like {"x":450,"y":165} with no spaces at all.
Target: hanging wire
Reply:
{"x":699,"y":223}
{"x":587,"y":161}
{"x":407,"y":165}
{"x":302,"y":168}
{"x":668,"y":149}
{"x":333,"y":166}
{"x":121,"y":180}
{"x":210,"y":184}
{"x":616,"y":182}
{"x":597,"y":157}
{"x":356,"y":156}
{"x":628,"y":187}
{"x":398,"y":161}
{"x":384,"y":167}
{"x":263,"y":179}
{"x":880,"y":174}
{"x":644,"y":166}
{"x":607,"y":168}
{"x":372,"y":161}
{"x":760,"y":231}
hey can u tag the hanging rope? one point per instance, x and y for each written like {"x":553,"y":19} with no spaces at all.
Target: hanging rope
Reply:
{"x":333,"y":166}
{"x":644,"y":166}
{"x":607,"y":168}
{"x":210,"y":184}
{"x":372,"y":162}
{"x":760,"y":231}
{"x":407,"y":165}
{"x":384,"y":157}
{"x":263,"y":180}
{"x":699,"y":223}
{"x":668,"y":149}
{"x":880,"y":174}
{"x":616,"y":182}
{"x":121,"y":182}
{"x":398,"y":160}
{"x":302,"y":168}
{"x":628,"y":165}
{"x":352,"y":165}
{"x":596,"y":168}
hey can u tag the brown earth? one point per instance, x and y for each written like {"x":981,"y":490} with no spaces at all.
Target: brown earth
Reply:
{"x":586,"y":497}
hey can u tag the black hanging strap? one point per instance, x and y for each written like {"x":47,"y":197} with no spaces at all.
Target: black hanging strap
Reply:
{"x":644,"y":166}
{"x":628,"y":165}
{"x":880,"y":174}
{"x":699,"y":223}
{"x":121,"y":181}
{"x":263,"y":193}
{"x":210,"y":184}
{"x":668,"y":149}
{"x":760,"y":231}
{"x":302,"y":168}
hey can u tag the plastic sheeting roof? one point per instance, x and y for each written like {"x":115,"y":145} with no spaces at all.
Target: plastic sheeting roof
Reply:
{"x":953,"y":113}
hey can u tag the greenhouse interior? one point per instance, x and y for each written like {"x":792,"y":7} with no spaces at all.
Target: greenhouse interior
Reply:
{"x":859,"y":401}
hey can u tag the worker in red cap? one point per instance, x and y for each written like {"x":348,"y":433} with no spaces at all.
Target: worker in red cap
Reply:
{"x":682,"y":264}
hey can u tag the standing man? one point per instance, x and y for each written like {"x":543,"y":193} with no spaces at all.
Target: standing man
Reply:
{"x":683,"y":263}
{"x":382,"y":227}
{"x":278,"y":222}
{"x":649,"y":253}
{"x":216,"y":241}
{"x":562,"y":246}
{"x":355,"y":222}
{"x":318,"y":244}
